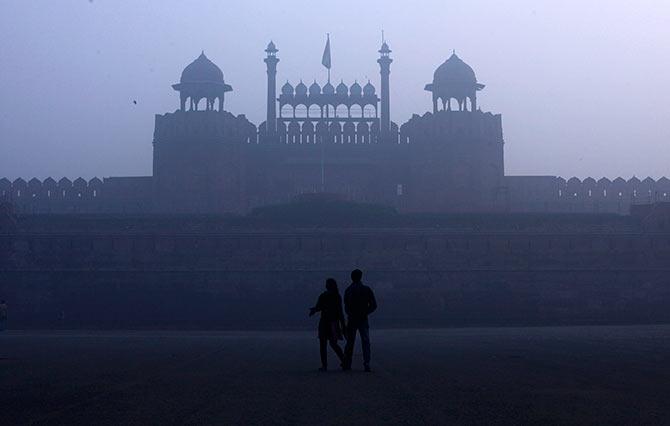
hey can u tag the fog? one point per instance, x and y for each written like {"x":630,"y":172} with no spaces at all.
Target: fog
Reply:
{"x":582,"y":86}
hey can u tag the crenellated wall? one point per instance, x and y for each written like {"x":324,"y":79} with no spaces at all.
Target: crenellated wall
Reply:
{"x":198,"y":162}
{"x":555,"y":194}
{"x":110,"y":195}
{"x":456,"y":161}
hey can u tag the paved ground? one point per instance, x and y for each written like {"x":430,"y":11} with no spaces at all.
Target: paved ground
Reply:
{"x":575,"y":375}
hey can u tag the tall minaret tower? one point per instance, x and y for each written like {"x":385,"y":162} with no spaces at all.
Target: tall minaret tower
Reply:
{"x":385,"y":70}
{"x":271,"y":60}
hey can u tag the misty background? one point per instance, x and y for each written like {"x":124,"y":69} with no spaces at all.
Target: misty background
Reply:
{"x":583,"y":86}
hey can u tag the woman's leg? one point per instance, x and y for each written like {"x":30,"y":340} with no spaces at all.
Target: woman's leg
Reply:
{"x":338,"y":350}
{"x":323,"y":349}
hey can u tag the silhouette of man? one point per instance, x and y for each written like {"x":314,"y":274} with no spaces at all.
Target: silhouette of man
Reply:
{"x":359,"y":302}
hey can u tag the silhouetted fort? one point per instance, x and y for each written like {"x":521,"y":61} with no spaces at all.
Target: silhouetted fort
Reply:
{"x":330,"y":139}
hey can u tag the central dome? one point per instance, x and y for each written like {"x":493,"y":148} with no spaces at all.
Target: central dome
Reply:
{"x":202,"y":70}
{"x":454,"y":70}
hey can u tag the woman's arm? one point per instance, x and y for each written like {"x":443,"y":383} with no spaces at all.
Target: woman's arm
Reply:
{"x":318,"y":307}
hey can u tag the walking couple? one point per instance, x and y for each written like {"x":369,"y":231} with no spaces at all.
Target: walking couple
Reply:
{"x":359,"y":302}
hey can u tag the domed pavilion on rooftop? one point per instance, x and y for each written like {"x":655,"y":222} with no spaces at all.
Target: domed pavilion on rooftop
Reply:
{"x":202,"y":79}
{"x":454,"y":79}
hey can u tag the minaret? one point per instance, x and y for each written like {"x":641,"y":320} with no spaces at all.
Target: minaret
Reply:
{"x":385,"y":70}
{"x":271,"y":60}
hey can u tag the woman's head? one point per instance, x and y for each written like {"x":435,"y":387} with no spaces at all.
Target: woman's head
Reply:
{"x":331,"y":284}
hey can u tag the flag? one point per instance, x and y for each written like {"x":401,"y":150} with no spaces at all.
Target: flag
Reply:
{"x":325,"y":60}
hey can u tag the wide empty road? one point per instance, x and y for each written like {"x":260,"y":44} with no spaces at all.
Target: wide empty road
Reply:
{"x":493,"y":376}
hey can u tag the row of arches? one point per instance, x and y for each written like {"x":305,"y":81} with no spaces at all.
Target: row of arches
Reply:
{"x":450,"y":103}
{"x":193,"y":103}
{"x":309,"y":132}
{"x":302,"y":110}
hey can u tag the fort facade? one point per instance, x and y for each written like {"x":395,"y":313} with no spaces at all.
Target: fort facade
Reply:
{"x":334,"y":139}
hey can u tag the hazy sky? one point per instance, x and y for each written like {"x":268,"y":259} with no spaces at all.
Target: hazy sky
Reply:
{"x":583,"y":85}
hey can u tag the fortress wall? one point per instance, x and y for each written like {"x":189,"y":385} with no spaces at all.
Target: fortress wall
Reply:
{"x":111,"y":195}
{"x":455,"y":160}
{"x":420,"y":277}
{"x":523,"y":193}
{"x":555,"y":194}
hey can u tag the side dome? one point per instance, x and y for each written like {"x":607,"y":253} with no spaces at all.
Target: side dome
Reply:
{"x":328,"y":89}
{"x":342,"y":89}
{"x":454,"y":79}
{"x":287,"y":89}
{"x":315,"y":89}
{"x":301,"y":89}
{"x":202,"y":70}
{"x":454,"y":70}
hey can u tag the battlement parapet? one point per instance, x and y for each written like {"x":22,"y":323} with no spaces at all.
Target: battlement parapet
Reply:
{"x":203,"y":125}
{"x":556,"y":194}
{"x":456,"y":126}
{"x":128,"y":194}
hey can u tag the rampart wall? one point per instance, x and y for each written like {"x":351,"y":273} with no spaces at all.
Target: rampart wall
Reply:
{"x":270,"y":278}
{"x":555,"y":194}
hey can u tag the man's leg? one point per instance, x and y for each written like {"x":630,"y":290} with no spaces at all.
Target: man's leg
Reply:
{"x":324,"y":352}
{"x":365,"y":342}
{"x":349,"y":347}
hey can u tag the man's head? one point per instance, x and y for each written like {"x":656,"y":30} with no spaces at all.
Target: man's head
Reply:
{"x":356,"y":275}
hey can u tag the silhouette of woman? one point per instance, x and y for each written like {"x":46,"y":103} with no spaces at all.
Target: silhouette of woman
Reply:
{"x":331,"y":325}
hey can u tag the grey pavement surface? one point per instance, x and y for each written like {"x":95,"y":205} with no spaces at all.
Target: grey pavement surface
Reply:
{"x":493,"y":376}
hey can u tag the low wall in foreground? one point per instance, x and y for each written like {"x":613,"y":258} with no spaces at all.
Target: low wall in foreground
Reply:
{"x":270,"y":279}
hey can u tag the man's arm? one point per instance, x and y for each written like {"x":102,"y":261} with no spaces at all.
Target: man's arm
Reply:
{"x":347,"y":304}
{"x":372,"y":303}
{"x":340,"y":314}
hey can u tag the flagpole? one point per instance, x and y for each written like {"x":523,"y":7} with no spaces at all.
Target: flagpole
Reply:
{"x":326,"y":62}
